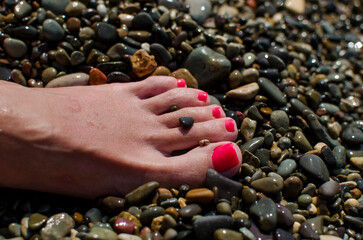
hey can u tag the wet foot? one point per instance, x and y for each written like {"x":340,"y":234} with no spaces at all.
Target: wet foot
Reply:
{"x":109,"y":139}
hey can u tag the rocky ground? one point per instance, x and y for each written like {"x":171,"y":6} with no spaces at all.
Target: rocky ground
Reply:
{"x":289,"y":73}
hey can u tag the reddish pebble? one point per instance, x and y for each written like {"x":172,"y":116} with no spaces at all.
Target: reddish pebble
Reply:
{"x":321,"y":111}
{"x":96,"y":77}
{"x":123,"y":226}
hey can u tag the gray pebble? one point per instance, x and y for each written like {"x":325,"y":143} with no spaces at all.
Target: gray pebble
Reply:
{"x":207,"y":66}
{"x":204,"y":227}
{"x":52,"y":30}
{"x":315,"y":167}
{"x":272,"y":91}
{"x":57,"y":226}
{"x":22,"y":9}
{"x":264,"y":211}
{"x":94,"y":215}
{"x":286,"y":167}
{"x":15,"y":47}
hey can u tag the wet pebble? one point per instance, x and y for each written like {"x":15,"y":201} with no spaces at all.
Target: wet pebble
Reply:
{"x":315,"y":167}
{"x":186,"y":122}
{"x":74,"y":79}
{"x":141,"y":193}
{"x":207,"y":66}
{"x":52,"y":30}
{"x":264,"y":211}
{"x":268,"y":185}
{"x":329,"y":189}
{"x":245,"y":92}
{"x":57,"y":226}
{"x":15,"y":47}
{"x":204,"y":227}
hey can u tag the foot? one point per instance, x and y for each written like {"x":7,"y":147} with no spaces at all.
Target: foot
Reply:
{"x":100,"y":140}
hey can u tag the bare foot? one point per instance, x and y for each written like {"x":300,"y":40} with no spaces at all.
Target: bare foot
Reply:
{"x":109,"y":139}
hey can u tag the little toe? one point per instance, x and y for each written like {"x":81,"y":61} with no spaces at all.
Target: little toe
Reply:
{"x":191,"y":167}
{"x":223,"y":129}
{"x":183,"y":97}
{"x":156,"y":85}
{"x":199,"y":114}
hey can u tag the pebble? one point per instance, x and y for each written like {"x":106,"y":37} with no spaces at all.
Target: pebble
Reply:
{"x":186,"y":122}
{"x":248,"y":128}
{"x":281,"y":234}
{"x":94,"y":215}
{"x":142,"y":63}
{"x":56,"y":6}
{"x":307,"y":232}
{"x":315,"y":167}
{"x":74,"y":9}
{"x":199,"y":10}
{"x":279,"y":119}
{"x":227,"y":187}
{"x":295,"y":6}
{"x":357,"y":162}
{"x":141,"y":193}
{"x":74,"y":79}
{"x":57,"y":226}
{"x":101,"y":233}
{"x":97,"y":77}
{"x":292,"y":187}
{"x":268,"y":185}
{"x":15,"y":47}
{"x":37,"y":221}
{"x":329,"y":189}
{"x":200,"y":195}
{"x":49,"y":74}
{"x":53,"y":31}
{"x":224,"y":234}
{"x":105,"y":32}
{"x":204,"y":227}
{"x":22,"y":9}
{"x":162,"y":55}
{"x":264,"y":211}
{"x":190,"y":210}
{"x":207,"y":66}
{"x":286,"y":167}
{"x":284,"y":216}
{"x":121,"y":225}
{"x":183,"y":73}
{"x":272,"y":91}
{"x":245,"y":92}
{"x":118,"y":77}
{"x":18,"y":77}
{"x":142,"y":21}
{"x":250,"y":75}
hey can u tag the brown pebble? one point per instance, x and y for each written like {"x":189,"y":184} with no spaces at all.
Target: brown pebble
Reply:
{"x":183,"y":73}
{"x":161,"y":71}
{"x":78,"y":218}
{"x":200,"y":195}
{"x":73,"y":24}
{"x":204,"y":142}
{"x":164,"y":194}
{"x":292,"y":187}
{"x":266,"y":111}
{"x":356,"y":193}
{"x":172,"y":212}
{"x":142,"y":63}
{"x":27,"y":69}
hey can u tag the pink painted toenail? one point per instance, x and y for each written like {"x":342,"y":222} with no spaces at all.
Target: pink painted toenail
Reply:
{"x":181,"y":82}
{"x":216,"y":112}
{"x":224,"y":157}
{"x":203,"y":96}
{"x":229,"y":125}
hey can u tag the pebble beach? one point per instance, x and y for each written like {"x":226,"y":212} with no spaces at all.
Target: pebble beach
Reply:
{"x":289,"y":72}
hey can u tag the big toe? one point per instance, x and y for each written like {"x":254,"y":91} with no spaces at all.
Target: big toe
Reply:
{"x":191,"y":167}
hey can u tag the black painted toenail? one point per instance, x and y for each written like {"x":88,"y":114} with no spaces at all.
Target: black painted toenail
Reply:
{"x":186,"y":122}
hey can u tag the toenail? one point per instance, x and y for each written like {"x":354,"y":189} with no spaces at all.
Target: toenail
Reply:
{"x":203,"y":96}
{"x":186,"y":122}
{"x":229,"y":124}
{"x":224,"y":157}
{"x":216,"y":112}
{"x":181,"y":82}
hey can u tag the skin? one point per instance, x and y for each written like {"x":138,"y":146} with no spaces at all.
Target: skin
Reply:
{"x":90,"y":141}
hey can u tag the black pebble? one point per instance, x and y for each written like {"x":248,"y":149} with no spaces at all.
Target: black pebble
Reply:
{"x":186,"y":122}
